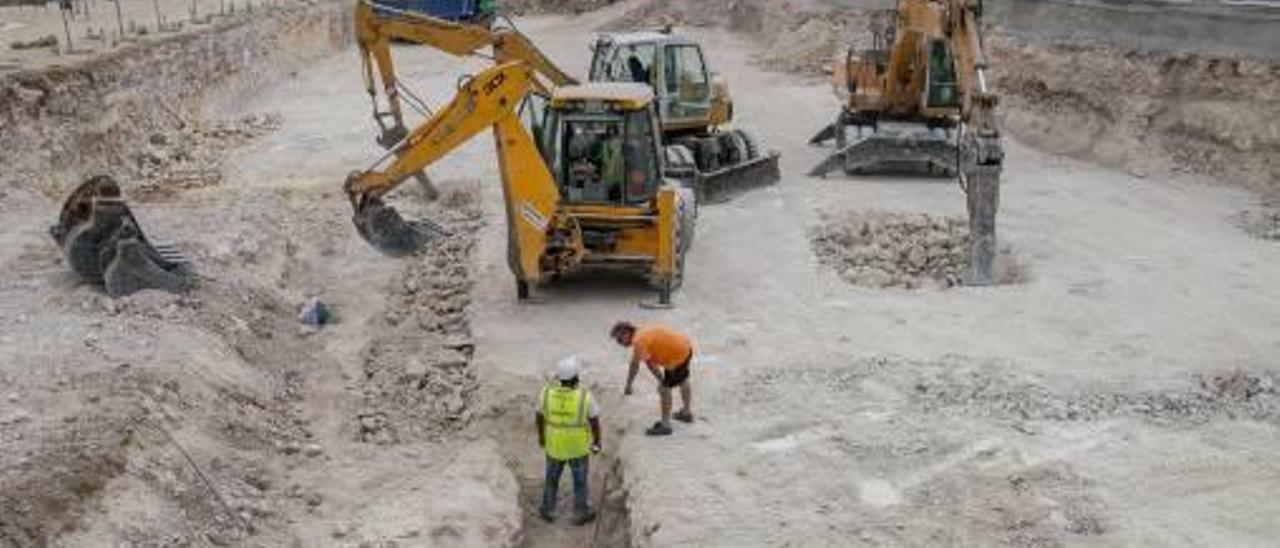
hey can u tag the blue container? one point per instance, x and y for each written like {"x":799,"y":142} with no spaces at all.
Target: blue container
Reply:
{"x":453,"y":10}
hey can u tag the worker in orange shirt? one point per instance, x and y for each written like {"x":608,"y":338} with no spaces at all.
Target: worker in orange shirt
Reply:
{"x":667,"y":353}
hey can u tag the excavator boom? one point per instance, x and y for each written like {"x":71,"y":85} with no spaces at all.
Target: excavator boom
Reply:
{"x":376,"y":28}
{"x":489,"y":99}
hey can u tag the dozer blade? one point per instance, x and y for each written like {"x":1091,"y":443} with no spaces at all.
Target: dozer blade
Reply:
{"x":383,"y":227}
{"x":891,"y":143}
{"x":102,"y":242}
{"x":721,"y":185}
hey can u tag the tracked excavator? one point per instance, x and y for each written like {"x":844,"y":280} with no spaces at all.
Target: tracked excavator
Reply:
{"x":581,"y":171}
{"x":694,"y":104}
{"x":919,"y":97}
{"x":103,"y":243}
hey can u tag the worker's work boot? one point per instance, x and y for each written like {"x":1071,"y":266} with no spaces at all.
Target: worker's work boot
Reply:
{"x":546,"y":515}
{"x":583,"y":518}
{"x":658,"y":429}
{"x":683,"y":415}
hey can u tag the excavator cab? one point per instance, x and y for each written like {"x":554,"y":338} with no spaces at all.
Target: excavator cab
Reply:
{"x":673,"y":66}
{"x":693,"y":106}
{"x":942,"y":91}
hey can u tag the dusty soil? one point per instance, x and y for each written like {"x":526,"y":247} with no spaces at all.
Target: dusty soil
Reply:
{"x":1124,"y":393}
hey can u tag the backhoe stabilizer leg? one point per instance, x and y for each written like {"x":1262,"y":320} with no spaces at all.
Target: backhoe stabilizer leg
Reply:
{"x":982,"y":187}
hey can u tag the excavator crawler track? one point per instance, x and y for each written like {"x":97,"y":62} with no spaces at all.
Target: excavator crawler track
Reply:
{"x":103,"y":243}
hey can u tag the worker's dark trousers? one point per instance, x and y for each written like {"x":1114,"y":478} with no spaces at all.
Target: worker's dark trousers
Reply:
{"x":578,"y":467}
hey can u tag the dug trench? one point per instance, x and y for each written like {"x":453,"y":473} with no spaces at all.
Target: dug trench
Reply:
{"x":513,"y":425}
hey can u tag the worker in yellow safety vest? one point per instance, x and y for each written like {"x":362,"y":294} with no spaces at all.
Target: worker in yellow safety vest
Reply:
{"x":568,"y":423}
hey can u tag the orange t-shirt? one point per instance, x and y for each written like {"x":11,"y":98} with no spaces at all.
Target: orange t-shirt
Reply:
{"x":661,"y":346}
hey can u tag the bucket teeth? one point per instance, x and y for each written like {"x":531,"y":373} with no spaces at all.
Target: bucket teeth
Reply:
{"x":102,"y":242}
{"x":383,"y":227}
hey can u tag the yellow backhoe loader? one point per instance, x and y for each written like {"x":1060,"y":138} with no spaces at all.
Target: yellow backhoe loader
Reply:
{"x":919,"y":97}
{"x":582,"y":178}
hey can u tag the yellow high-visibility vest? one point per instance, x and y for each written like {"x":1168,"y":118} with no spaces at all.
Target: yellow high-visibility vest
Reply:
{"x":566,"y":429}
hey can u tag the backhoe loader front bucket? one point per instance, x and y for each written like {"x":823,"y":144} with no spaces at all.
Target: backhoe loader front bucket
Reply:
{"x":103,"y":243}
{"x":383,"y":227}
{"x":865,"y":147}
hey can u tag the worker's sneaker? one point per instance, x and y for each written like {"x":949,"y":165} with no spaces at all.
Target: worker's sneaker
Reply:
{"x":583,"y":518}
{"x":546,"y":515}
{"x":683,"y":416}
{"x":658,"y":429}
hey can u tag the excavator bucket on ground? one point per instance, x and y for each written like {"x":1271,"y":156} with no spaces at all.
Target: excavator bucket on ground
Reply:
{"x":103,"y":243}
{"x":865,"y":147}
{"x":388,"y":232}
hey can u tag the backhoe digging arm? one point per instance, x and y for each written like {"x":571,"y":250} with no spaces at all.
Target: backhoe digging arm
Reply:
{"x":374,"y":33}
{"x":489,"y":99}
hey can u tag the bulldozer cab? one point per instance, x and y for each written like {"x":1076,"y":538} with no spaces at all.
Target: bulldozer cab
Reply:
{"x":600,"y":142}
{"x":672,"y":66}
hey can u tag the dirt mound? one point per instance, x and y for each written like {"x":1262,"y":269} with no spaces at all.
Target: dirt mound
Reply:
{"x":1148,"y":112}
{"x":912,"y":251}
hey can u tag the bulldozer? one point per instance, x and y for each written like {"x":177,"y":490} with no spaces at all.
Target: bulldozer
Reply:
{"x":694,"y":104}
{"x":919,"y":97}
{"x":103,"y":243}
{"x":582,"y":179}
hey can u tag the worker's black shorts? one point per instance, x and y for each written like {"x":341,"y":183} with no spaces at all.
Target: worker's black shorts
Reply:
{"x":676,"y":376}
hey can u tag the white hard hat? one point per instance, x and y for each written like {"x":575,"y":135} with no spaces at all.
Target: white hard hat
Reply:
{"x":569,"y":368}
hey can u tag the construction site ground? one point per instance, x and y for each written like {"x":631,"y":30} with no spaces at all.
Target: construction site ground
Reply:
{"x":1120,"y":390}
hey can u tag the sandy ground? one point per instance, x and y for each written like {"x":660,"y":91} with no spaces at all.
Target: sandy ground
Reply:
{"x":1122,"y":394}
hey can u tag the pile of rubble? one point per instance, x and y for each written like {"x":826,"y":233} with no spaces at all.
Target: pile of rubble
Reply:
{"x":418,"y":383}
{"x":878,"y":250}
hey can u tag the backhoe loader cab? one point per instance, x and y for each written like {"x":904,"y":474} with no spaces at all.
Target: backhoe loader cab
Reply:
{"x":601,"y":144}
